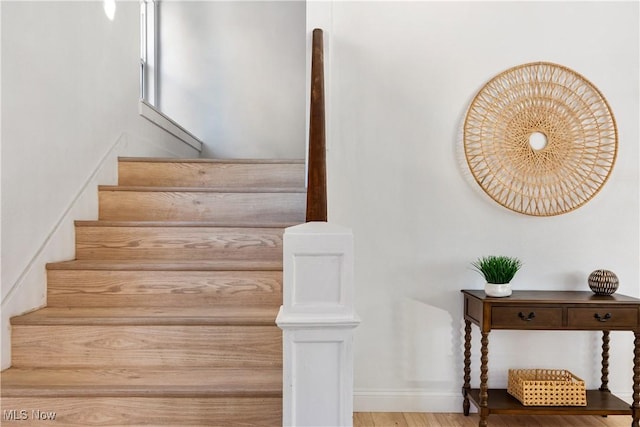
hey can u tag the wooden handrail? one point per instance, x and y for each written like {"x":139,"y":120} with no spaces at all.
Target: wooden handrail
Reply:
{"x":317,"y":167}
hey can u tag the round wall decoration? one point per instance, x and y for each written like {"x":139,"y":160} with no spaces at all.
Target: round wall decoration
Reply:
{"x":540,"y":139}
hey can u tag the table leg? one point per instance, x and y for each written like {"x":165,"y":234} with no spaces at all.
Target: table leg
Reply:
{"x":605,"y":362}
{"x":484,"y":376}
{"x":467,"y":367}
{"x":635,"y":407}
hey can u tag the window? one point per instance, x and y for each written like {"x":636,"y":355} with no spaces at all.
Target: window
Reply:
{"x":148,"y":54}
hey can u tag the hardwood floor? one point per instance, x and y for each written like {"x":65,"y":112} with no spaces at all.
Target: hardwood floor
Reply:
{"x":413,"y":419}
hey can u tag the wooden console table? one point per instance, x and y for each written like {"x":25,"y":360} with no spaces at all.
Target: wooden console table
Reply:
{"x":553,"y":311}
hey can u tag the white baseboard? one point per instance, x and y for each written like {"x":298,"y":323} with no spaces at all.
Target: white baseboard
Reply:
{"x":150,"y":113}
{"x":626,"y":396}
{"x":406,"y":400}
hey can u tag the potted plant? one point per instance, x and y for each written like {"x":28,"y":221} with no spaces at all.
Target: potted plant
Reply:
{"x":498,"y":272}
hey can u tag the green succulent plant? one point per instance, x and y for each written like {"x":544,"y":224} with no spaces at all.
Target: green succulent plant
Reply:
{"x":497,"y":269}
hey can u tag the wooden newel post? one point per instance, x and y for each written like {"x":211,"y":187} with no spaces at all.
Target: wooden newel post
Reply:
{"x":317,"y":173}
{"x":317,"y":318}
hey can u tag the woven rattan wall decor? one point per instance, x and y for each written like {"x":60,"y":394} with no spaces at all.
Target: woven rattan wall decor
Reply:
{"x":540,"y":139}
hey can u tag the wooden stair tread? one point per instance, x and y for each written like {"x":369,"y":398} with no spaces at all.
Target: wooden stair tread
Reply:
{"x":174,"y":160}
{"x":163,"y":340}
{"x":210,"y":224}
{"x":202,"y":189}
{"x":200,"y":265}
{"x":188,"y":316}
{"x":142,"y":382}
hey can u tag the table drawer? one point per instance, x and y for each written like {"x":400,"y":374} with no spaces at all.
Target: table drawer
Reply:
{"x":526,"y":317}
{"x":602,"y":317}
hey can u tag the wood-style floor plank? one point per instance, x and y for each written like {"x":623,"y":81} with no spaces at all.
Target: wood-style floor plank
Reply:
{"x":362,"y":419}
{"x":389,"y":419}
{"x":421,"y":419}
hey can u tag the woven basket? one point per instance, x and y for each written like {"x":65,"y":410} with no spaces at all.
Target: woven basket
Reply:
{"x":546,"y":387}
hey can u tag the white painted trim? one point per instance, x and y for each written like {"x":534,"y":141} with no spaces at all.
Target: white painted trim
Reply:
{"x":58,"y":244}
{"x":627,"y":396}
{"x":317,"y":319}
{"x":60,"y":221}
{"x":120,"y":144}
{"x":317,"y":376}
{"x":293,"y":321}
{"x":148,"y":50}
{"x":150,"y":113}
{"x":406,"y":400}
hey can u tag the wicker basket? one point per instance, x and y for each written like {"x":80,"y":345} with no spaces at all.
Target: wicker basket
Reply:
{"x":546,"y":387}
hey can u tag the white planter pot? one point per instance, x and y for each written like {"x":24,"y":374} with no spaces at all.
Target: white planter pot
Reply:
{"x":498,"y":291}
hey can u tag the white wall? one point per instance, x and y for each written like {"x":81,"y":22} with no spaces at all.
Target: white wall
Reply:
{"x":401,"y":76}
{"x":69,"y":108}
{"x":233,"y":74}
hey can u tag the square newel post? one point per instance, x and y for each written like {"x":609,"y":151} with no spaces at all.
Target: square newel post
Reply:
{"x":317,"y":318}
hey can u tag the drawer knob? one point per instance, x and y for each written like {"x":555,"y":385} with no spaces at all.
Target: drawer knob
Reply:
{"x":604,"y":318}
{"x":528,"y":318}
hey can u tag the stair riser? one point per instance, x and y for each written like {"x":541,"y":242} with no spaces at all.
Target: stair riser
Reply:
{"x":178,"y":243}
{"x":201,"y":206}
{"x":57,"y":346}
{"x":141,"y":411}
{"x":230,"y":175}
{"x":96,"y":288}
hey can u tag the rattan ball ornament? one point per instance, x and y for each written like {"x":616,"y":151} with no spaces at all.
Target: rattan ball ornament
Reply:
{"x":603,"y":282}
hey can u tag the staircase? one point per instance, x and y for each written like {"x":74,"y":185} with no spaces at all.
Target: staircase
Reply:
{"x":166,"y":316}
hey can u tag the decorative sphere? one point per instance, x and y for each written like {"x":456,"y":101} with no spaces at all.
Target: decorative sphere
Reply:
{"x":603,"y":282}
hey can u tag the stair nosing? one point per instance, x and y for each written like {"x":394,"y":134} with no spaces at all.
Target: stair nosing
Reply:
{"x":223,"y":190}
{"x":202,"y":224}
{"x":163,"y":266}
{"x":131,"y":391}
{"x":149,"y":387}
{"x":246,"y":315}
{"x":142,"y":321}
{"x":214,"y":161}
